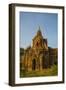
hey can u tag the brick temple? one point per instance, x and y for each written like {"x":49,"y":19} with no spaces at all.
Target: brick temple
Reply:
{"x":39,"y":56}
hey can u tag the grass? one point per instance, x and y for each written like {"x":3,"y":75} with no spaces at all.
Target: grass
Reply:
{"x":53,"y":71}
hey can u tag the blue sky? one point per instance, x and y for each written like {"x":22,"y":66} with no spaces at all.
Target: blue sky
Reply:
{"x":29,"y":24}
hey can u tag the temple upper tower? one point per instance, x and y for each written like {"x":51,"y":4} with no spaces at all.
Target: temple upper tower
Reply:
{"x":39,"y":42}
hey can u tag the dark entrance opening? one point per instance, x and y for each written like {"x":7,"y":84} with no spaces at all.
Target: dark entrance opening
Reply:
{"x":33,"y":64}
{"x":43,"y":62}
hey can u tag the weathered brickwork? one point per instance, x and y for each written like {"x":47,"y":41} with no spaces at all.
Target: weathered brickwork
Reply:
{"x":39,"y":55}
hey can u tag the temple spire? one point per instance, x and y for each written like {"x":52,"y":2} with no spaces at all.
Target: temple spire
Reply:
{"x":39,"y":31}
{"x":39,"y":28}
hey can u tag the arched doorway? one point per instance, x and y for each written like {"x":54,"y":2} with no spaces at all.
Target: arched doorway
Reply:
{"x":43,"y":62}
{"x":33,"y":64}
